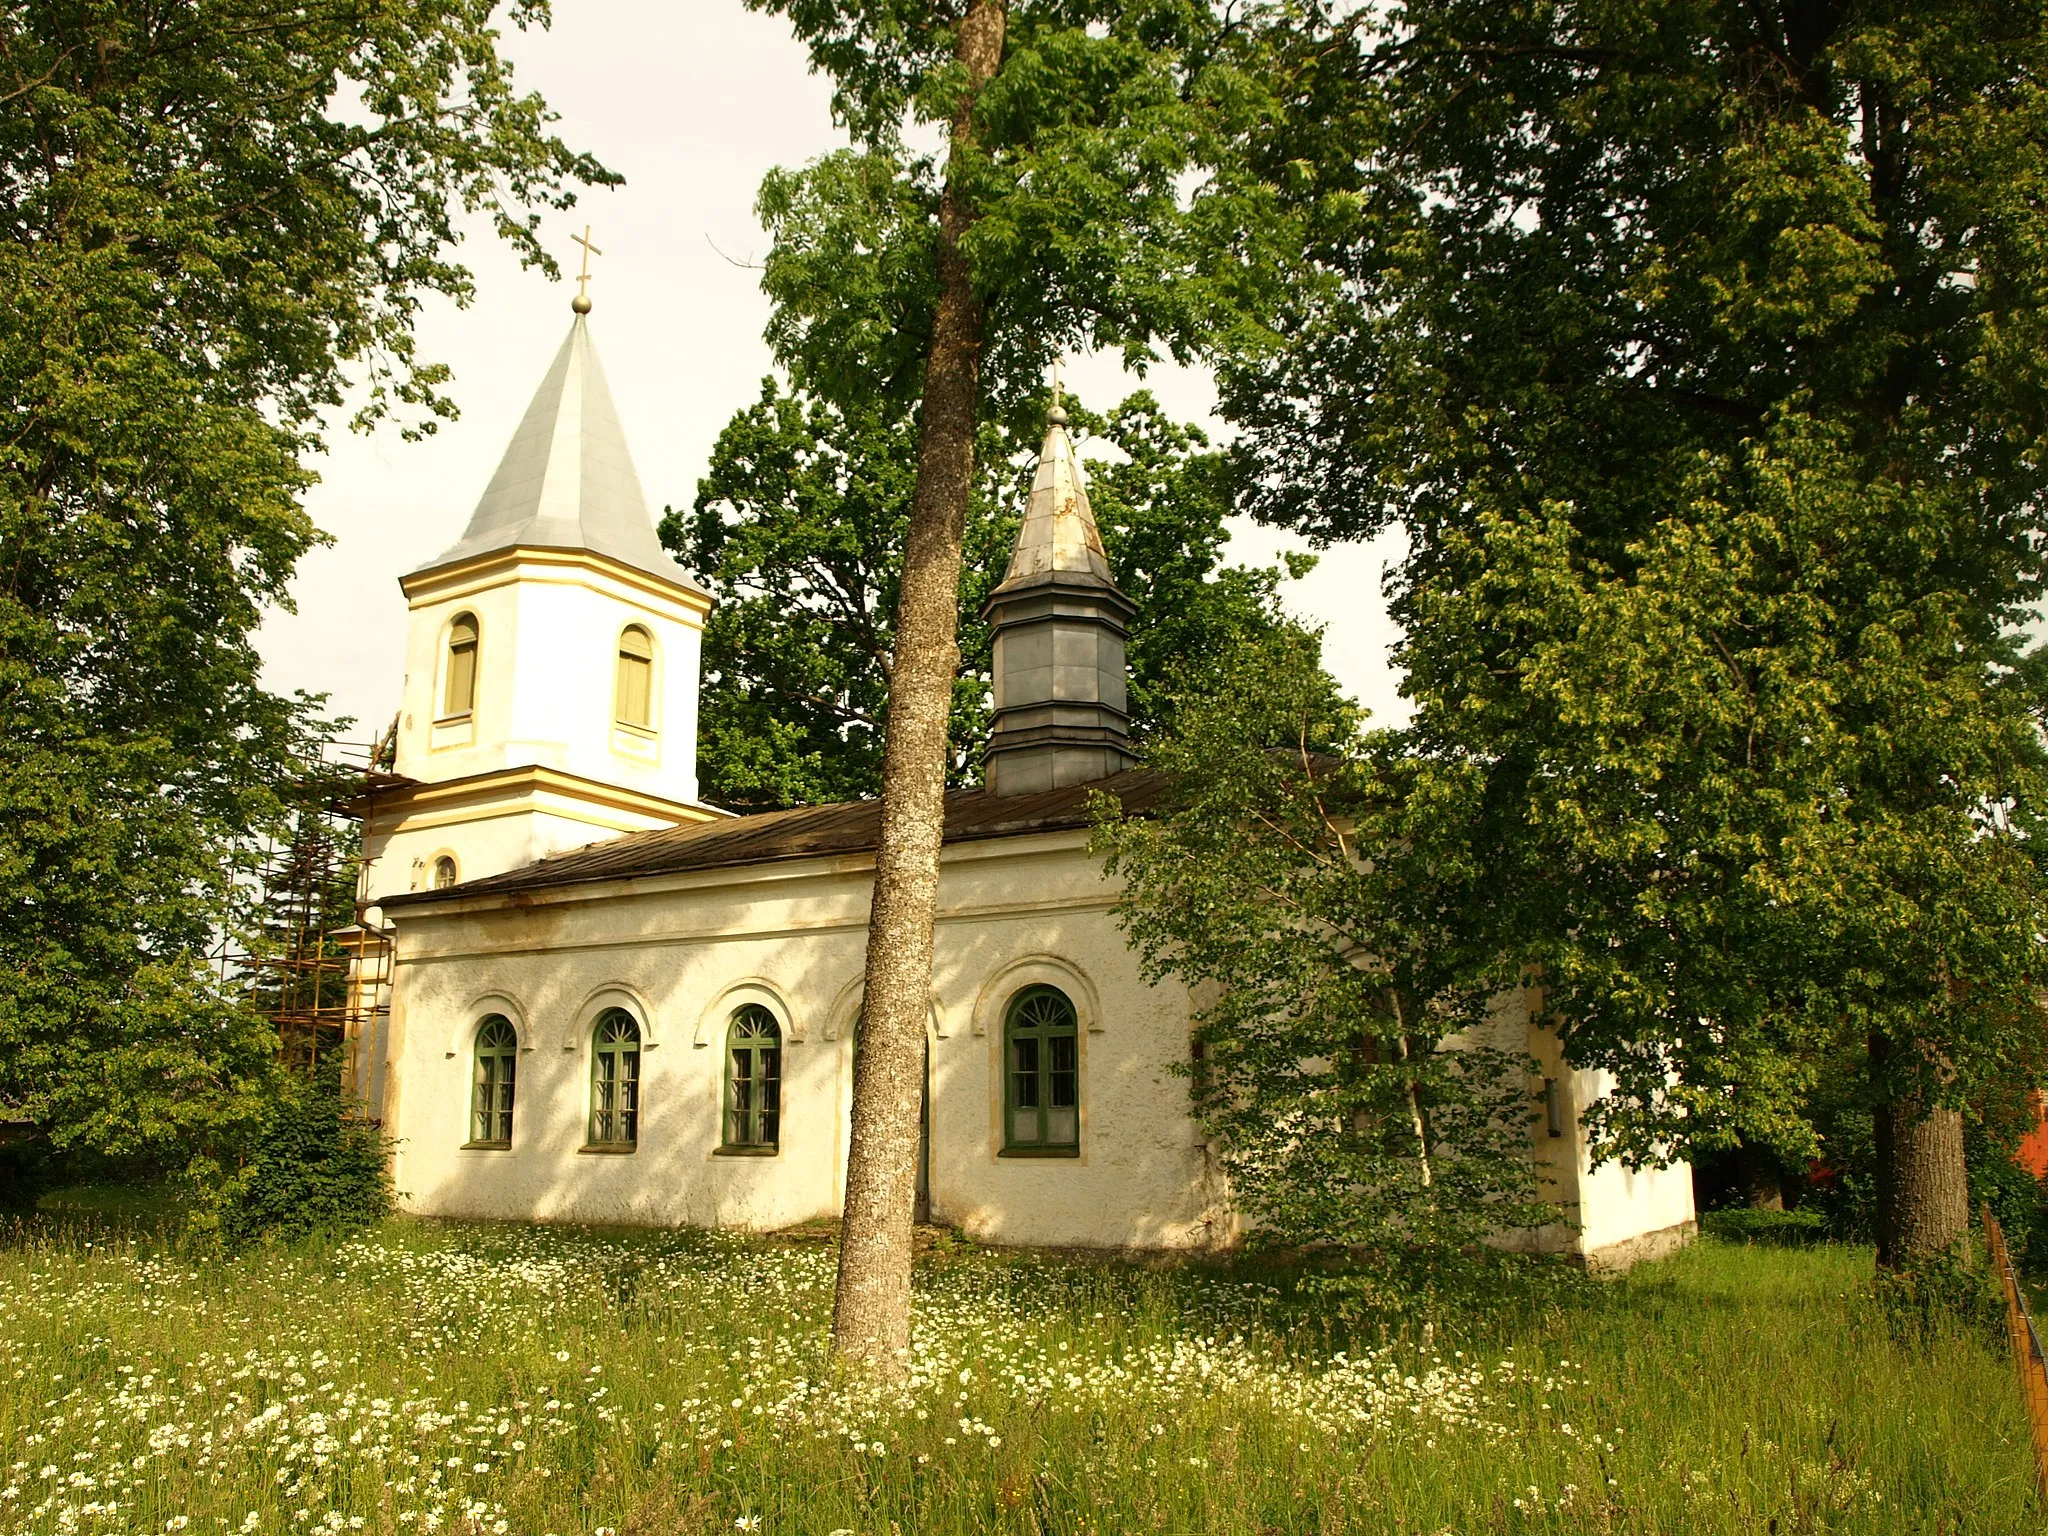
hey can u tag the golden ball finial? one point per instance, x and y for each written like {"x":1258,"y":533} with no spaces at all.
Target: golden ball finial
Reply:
{"x":1057,"y":416}
{"x":581,"y":304}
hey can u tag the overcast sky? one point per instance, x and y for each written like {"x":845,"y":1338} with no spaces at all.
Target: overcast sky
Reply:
{"x":692,"y":103}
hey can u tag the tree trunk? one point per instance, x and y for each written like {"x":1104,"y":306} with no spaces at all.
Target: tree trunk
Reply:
{"x":1762,"y":1179}
{"x":871,"y":1309}
{"x":1923,"y":1191}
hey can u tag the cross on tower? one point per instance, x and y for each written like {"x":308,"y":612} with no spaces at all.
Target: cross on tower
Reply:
{"x":581,"y":303}
{"x":1059,"y":410}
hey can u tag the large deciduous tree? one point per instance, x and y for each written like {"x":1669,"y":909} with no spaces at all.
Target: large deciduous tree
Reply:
{"x":216,"y":215}
{"x":798,"y":531}
{"x":1337,"y":1068}
{"x":1701,"y":350}
{"x":1085,"y":196}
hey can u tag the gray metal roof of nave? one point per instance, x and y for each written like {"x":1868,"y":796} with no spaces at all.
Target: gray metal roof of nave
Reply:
{"x":812,"y":831}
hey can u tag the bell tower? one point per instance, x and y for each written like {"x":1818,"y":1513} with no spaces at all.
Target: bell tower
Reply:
{"x":550,"y":694}
{"x":1062,"y":711}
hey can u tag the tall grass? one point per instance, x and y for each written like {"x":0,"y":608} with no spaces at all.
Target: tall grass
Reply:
{"x":434,"y":1378}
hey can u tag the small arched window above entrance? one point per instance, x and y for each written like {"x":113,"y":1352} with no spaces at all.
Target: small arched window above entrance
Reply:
{"x":458,"y":695}
{"x":444,"y":872}
{"x":634,"y":693}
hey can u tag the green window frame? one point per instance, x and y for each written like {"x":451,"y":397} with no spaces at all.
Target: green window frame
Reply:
{"x":1042,"y":1074}
{"x":615,"y":1081}
{"x":753,"y":1081}
{"x":495,"y":1079}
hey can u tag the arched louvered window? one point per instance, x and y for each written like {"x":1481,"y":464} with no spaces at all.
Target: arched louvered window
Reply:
{"x":444,"y":872}
{"x":1042,"y":1090}
{"x":753,"y":1081}
{"x":634,"y":694}
{"x":459,"y":696}
{"x":615,"y":1080}
{"x":497,"y":1073}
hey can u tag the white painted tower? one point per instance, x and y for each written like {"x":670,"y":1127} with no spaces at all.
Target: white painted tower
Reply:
{"x":550,"y":694}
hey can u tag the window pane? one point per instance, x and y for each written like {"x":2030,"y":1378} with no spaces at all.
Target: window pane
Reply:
{"x":635,"y":690}
{"x":480,"y":1126}
{"x":1024,"y":1074}
{"x":1023,"y":1127}
{"x":1062,"y":1080}
{"x":1062,"y":1127}
{"x":461,"y":693}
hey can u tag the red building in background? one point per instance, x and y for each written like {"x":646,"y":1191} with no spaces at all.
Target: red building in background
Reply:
{"x":2033,"y":1149}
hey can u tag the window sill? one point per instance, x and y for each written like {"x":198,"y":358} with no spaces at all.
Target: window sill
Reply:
{"x":1069,"y":1152}
{"x":462,"y":719}
{"x":487,"y":1146}
{"x":774,"y":1151}
{"x":609,"y":1148}
{"x":644,"y":732}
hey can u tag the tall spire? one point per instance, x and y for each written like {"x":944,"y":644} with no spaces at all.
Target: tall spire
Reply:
{"x":566,"y":480}
{"x":1062,"y":698}
{"x":1059,"y":537}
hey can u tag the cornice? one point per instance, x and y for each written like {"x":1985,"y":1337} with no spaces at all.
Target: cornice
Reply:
{"x":495,"y":568}
{"x":530,"y":782}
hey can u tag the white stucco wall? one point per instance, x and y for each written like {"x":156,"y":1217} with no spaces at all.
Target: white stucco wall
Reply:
{"x":1618,"y":1206}
{"x":547,"y":654}
{"x":1612,"y":1215}
{"x":402,"y":848}
{"x":683,"y":953}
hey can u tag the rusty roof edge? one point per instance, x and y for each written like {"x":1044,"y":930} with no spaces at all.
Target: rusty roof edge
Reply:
{"x":487,"y":886}
{"x":531,"y":878}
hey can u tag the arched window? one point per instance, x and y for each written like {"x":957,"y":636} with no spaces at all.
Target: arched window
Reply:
{"x":635,"y":691}
{"x":460,"y":695}
{"x":497,"y":1070}
{"x":753,"y":1081}
{"x":444,"y":872}
{"x":1042,"y":1080}
{"x":615,"y":1080}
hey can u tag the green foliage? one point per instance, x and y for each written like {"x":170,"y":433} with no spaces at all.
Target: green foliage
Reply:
{"x":2018,"y":1200}
{"x":798,"y":529}
{"x":214,"y":211}
{"x":1104,"y":204}
{"x":1111,"y":206}
{"x":1924,"y":1304}
{"x":315,"y":1168}
{"x":1714,"y":1394}
{"x":1698,"y":350}
{"x":1785,"y":1228}
{"x":1341,"y":1106}
{"x":28,"y":1169}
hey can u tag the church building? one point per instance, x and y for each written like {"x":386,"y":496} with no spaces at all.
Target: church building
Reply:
{"x":611,"y":1002}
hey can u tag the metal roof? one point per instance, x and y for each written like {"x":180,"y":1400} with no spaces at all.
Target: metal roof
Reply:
{"x":567,"y":480}
{"x":1058,"y":539}
{"x":808,"y":832}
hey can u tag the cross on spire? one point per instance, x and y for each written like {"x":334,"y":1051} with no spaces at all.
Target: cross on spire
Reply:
{"x":581,"y":303}
{"x":1058,"y":415}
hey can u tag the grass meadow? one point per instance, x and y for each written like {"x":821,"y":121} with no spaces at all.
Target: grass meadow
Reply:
{"x":440,"y":1378}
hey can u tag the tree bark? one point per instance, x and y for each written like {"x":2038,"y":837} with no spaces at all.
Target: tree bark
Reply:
{"x":871,"y":1308}
{"x":1923,"y":1191}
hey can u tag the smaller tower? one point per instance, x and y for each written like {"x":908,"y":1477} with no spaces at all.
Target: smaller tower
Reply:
{"x":1062,"y":696}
